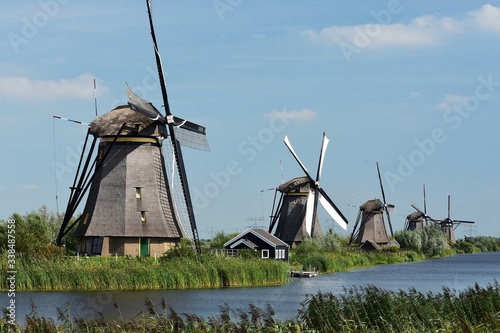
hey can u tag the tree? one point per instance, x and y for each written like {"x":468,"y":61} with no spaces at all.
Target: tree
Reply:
{"x":219,"y":239}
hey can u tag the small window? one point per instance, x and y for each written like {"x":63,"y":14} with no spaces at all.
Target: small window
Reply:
{"x":138,"y":193}
{"x":143,"y":216}
{"x":265,"y":254}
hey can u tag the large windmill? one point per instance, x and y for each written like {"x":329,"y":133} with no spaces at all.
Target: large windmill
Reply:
{"x":295,"y":217}
{"x":133,"y":207}
{"x":448,"y":225}
{"x":370,"y":226}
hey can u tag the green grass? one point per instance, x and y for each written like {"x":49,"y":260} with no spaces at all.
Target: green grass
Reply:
{"x":348,"y":258}
{"x":70,"y":273}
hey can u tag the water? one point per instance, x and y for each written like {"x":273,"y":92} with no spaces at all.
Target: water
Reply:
{"x":458,"y":272}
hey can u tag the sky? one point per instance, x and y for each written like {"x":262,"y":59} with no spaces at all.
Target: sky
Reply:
{"x":412,"y":85}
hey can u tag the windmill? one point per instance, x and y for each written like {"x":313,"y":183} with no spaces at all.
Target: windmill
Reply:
{"x":132,"y":208}
{"x":418,"y":219}
{"x":295,"y":216}
{"x":448,"y":225}
{"x":370,"y":227}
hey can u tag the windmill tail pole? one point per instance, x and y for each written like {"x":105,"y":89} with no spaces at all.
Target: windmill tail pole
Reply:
{"x":175,"y":142}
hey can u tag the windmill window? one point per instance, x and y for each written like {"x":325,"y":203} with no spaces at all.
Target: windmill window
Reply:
{"x":85,"y":218}
{"x":96,"y":245}
{"x":265,"y":254}
{"x":138,"y":193}
{"x":143,"y":216}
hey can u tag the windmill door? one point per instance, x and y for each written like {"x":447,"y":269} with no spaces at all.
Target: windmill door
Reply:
{"x":144,"y":246}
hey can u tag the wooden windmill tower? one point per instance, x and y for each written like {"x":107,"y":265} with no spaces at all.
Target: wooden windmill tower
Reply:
{"x":132,"y":207}
{"x":418,"y":220}
{"x":369,"y":229}
{"x":448,"y":225}
{"x":295,"y":217}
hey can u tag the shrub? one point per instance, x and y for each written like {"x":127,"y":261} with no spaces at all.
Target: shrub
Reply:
{"x":409,"y":240}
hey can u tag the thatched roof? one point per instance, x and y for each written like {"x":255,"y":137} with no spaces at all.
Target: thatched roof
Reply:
{"x":296,"y":185}
{"x":109,"y":124}
{"x":372,"y":205}
{"x":415,"y":216}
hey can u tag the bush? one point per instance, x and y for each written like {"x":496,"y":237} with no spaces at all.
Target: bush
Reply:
{"x":409,"y":240}
{"x":184,"y":249}
{"x":434,"y":241}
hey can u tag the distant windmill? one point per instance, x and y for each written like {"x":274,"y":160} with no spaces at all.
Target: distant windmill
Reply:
{"x":370,"y":227}
{"x":132,"y":207}
{"x":419,"y":219}
{"x":295,"y":216}
{"x":448,"y":225}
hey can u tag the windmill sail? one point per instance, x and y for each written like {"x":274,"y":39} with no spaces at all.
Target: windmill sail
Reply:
{"x":189,"y":134}
{"x":176,"y":145}
{"x":142,"y":106}
{"x":296,"y":215}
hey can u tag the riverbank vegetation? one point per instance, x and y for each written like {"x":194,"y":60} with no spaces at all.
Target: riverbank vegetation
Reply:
{"x":368,"y":309}
{"x":100,"y":273}
{"x":41,"y":265}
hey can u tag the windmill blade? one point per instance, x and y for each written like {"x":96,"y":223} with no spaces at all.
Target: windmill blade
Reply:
{"x":355,"y":230}
{"x":389,"y":220}
{"x":425,"y":203}
{"x":462,"y":221}
{"x":324,"y":145}
{"x":385,"y":202}
{"x":289,"y":146}
{"x":142,"y":106}
{"x":190,"y":134}
{"x":416,"y":208}
{"x":310,"y":211}
{"x":331,"y":209}
{"x":449,"y":199}
{"x":381,"y":186}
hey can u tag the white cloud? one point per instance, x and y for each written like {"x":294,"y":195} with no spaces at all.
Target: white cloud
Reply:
{"x":450,"y":102}
{"x":300,"y":115}
{"x":415,"y":94}
{"x":28,"y":187}
{"x":488,"y":17}
{"x":22,"y":87}
{"x":423,"y":30}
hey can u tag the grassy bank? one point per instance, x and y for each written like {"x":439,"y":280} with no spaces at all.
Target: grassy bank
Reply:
{"x":367,"y":310}
{"x":69,"y":273}
{"x":58,"y":272}
{"x":346,"y":259}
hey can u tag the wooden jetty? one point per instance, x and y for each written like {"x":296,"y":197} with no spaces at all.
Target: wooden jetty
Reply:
{"x":303,"y":273}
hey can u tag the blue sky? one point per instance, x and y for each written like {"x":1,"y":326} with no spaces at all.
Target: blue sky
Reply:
{"x":412,"y":85}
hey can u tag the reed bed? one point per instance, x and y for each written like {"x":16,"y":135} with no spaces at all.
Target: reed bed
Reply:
{"x":70,"y":273}
{"x":369,"y":309}
{"x":345,"y":259}
{"x":372,"y":309}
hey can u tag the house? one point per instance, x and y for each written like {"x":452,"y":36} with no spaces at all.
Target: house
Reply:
{"x":269,"y":246}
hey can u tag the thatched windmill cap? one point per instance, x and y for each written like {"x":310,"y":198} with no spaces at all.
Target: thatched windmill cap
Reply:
{"x":110,"y":123}
{"x":372,"y":205}
{"x":415,"y":216}
{"x":296,"y":185}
